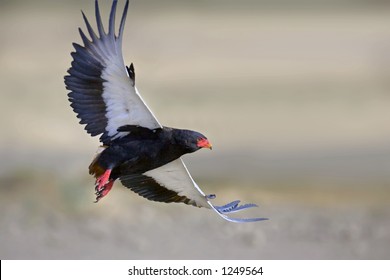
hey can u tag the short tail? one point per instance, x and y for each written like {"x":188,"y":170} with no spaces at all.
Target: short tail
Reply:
{"x":94,"y":168}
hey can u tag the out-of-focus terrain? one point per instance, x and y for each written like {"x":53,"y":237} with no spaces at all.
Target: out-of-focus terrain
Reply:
{"x":295,"y":100}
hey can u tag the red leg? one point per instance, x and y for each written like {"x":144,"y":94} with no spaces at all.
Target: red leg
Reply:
{"x":102,"y":180}
{"x":104,"y":190}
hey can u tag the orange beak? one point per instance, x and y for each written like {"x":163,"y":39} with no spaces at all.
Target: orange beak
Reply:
{"x":204,"y":143}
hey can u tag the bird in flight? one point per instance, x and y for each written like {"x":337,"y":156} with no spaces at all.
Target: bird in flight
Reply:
{"x":136,"y":149}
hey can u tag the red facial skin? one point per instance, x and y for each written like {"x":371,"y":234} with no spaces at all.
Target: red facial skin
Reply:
{"x":204,"y":143}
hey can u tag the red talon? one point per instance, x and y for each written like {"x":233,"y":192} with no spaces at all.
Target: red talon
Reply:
{"x":103,"y":185}
{"x":102,"y":180}
{"x":104,"y":190}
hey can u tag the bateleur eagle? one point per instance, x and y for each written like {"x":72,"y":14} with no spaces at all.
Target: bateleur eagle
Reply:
{"x":136,"y":149}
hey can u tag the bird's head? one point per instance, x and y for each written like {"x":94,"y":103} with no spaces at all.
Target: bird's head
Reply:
{"x":192,"y":141}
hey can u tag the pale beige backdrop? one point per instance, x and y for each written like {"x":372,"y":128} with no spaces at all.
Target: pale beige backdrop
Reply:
{"x":294,"y":96}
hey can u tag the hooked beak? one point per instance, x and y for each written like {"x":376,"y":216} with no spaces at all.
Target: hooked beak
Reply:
{"x":204,"y":143}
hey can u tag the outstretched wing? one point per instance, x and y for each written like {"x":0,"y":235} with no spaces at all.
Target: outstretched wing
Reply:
{"x":173,"y":183}
{"x":103,"y":92}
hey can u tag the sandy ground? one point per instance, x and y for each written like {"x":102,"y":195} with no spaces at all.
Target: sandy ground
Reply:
{"x":295,"y":103}
{"x":61,"y":222}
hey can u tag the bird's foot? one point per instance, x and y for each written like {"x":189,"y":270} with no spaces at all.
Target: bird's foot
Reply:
{"x":102,"y":181}
{"x":103,"y":185}
{"x":103,"y":191}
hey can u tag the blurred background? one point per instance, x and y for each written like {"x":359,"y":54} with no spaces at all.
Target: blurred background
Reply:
{"x":294,"y":96}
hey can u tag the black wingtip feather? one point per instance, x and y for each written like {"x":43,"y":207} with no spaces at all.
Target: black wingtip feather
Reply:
{"x":84,"y":38}
{"x":123,"y":20}
{"x":89,"y":28}
{"x":111,"y":24}
{"x":99,"y":22}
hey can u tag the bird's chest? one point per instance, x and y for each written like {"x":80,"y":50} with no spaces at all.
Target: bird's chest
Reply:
{"x":147,"y":155}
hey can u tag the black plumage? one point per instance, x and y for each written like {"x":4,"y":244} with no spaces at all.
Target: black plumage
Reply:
{"x":144,"y":149}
